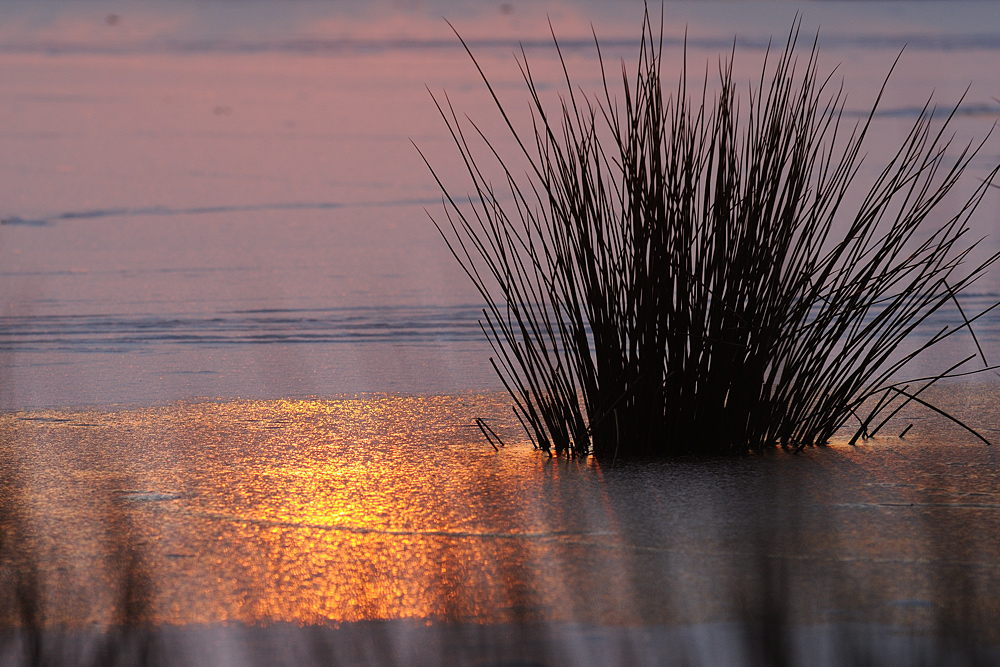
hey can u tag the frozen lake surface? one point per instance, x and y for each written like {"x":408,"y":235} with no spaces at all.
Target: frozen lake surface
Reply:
{"x":239,"y":367}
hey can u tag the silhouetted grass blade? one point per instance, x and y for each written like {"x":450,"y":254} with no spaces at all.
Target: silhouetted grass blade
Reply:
{"x":679,"y":274}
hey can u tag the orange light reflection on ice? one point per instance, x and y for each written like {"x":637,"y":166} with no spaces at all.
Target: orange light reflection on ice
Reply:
{"x":377,"y":507}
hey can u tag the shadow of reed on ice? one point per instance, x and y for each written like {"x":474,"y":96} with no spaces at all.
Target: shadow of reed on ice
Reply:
{"x":783,"y":560}
{"x":905,"y":606}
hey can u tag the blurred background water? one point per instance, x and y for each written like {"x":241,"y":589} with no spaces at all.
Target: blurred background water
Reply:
{"x":222,"y":199}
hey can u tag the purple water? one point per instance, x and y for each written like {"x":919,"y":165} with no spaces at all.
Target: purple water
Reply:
{"x":222,"y":200}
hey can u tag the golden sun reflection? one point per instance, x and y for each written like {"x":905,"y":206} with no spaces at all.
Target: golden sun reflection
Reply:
{"x":381,"y":507}
{"x":376,"y":507}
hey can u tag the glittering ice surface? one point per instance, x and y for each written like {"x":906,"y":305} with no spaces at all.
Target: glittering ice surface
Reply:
{"x":392,"y":510}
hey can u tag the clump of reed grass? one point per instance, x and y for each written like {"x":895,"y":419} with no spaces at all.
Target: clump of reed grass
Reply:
{"x":677,"y":274}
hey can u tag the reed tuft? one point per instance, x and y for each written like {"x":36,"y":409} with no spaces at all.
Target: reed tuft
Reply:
{"x":677,"y":274}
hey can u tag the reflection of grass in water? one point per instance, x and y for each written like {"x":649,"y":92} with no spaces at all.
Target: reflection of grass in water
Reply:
{"x":669,"y":278}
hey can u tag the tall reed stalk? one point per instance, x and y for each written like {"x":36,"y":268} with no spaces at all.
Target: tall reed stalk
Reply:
{"x":678,"y":274}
